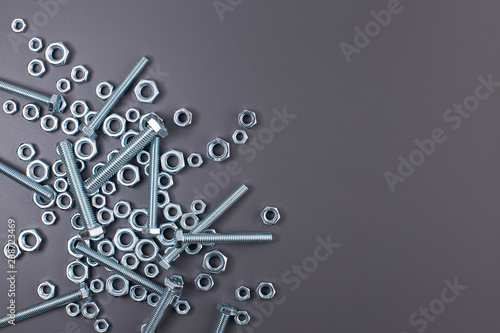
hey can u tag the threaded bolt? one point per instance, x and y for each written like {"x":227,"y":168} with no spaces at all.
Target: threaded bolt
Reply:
{"x":153,"y":128}
{"x":89,"y":130}
{"x":65,"y":150}
{"x":154,"y":170}
{"x":74,"y":296}
{"x":55,"y":103}
{"x":166,"y":299}
{"x":226,"y":311}
{"x":182,"y":238}
{"x":172,"y":253}
{"x":20,"y":178}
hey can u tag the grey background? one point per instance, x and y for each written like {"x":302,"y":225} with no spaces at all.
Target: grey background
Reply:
{"x":324,"y":170}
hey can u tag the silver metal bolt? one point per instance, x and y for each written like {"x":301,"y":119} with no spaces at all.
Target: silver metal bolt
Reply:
{"x":82,"y":293}
{"x":89,"y":130}
{"x":172,"y":253}
{"x":226,"y":311}
{"x":153,"y":128}
{"x":182,"y":238}
{"x":94,"y":229}
{"x":44,"y":190}
{"x":154,"y":171}
{"x":55,"y":103}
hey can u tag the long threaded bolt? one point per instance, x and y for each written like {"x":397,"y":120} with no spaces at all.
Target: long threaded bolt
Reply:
{"x":20,"y":178}
{"x":172,"y":253}
{"x":65,"y":150}
{"x":182,"y":238}
{"x":153,"y":128}
{"x":89,"y":130}
{"x":55,"y":103}
{"x":226,"y":311}
{"x":166,"y":299}
{"x":74,"y":296}
{"x":154,"y":170}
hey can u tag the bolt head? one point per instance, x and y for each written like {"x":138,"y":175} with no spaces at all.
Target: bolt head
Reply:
{"x":151,"y":231}
{"x":164,"y":264}
{"x":86,"y":293}
{"x":57,"y":104}
{"x":156,"y":123}
{"x":174,"y":282}
{"x":227,"y":309}
{"x":179,"y":238}
{"x":88,"y":131}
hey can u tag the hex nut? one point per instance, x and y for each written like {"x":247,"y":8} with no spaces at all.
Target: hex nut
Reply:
{"x":11,"y":251}
{"x":247,"y":119}
{"x":104,"y":90}
{"x":183,"y":117}
{"x":218,"y":156}
{"x":10,"y":107}
{"x":35,"y":44}
{"x":198,"y":206}
{"x":242,"y":293}
{"x":90,"y":310}
{"x":204,"y":282}
{"x":80,"y":74}
{"x":107,"y":125}
{"x":193,"y":249}
{"x":265,"y":290}
{"x":46,"y":290}
{"x":50,"y":51}
{"x":49,"y":123}
{"x":189,"y":221}
{"x":70,"y":126}
{"x":79,"y":109}
{"x":143,"y":157}
{"x":73,"y":276}
{"x":214,"y":262}
{"x":172,"y":161}
{"x":195,"y":160}
{"x":61,"y":185}
{"x":182,"y":307}
{"x":33,"y":166}
{"x":80,"y":151}
{"x":165,"y":181}
{"x":19,"y":25}
{"x":105,"y":216}
{"x":71,"y":245}
{"x":133,"y":219}
{"x":242,"y":318}
{"x":153,"y":299}
{"x":240,"y":137}
{"x":31,"y":112}
{"x":127,"y":137}
{"x":151,"y":270}
{"x":49,"y":217}
{"x":26,"y":151}
{"x":125,"y":246}
{"x":122,"y":209}
{"x":88,"y":117}
{"x":64,"y":201}
{"x":113,"y":290}
{"x":63,"y":85}
{"x":166,"y":235}
{"x":101,"y":325}
{"x":36,"y":68}
{"x":73,"y":309}
{"x":130,"y":261}
{"x":143,"y":255}
{"x":123,"y":176}
{"x":42,"y":202}
{"x":106,"y":247}
{"x":270,"y":215}
{"x":172,"y":212}
{"x":98,"y":201}
{"x":140,"y":87}
{"x":132,"y":115}
{"x":96,"y":286}
{"x":138,"y":293}
{"x":108,"y":188}
{"x":163,"y":198}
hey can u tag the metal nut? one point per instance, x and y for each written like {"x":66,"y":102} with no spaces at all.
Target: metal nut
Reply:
{"x":218,"y":150}
{"x":108,"y":188}
{"x":79,"y":109}
{"x":151,"y":270}
{"x":73,"y":309}
{"x":70,"y":126}
{"x":138,"y":293}
{"x":142,"y":254}
{"x":182,"y":307}
{"x":122,"y":209}
{"x":198,"y":206}
{"x":110,"y":121}
{"x":64,"y":201}
{"x":172,"y":212}
{"x":103,"y":90}
{"x":10,"y":107}
{"x":80,"y":151}
{"x":38,"y":170}
{"x":90,"y":310}
{"x":35,"y":44}
{"x":266,"y":290}
{"x":36,"y":68}
{"x":121,"y":244}
{"x":106,"y":247}
{"x":127,"y":137}
{"x":242,"y":318}
{"x":96,"y":286}
{"x":113,"y":289}
{"x":63,"y":85}
{"x":26,"y":151}
{"x":11,"y":251}
{"x":129,"y":175}
{"x":195,"y":160}
{"x":19,"y":25}
{"x":183,"y":117}
{"x":49,"y":123}
{"x":49,"y":217}
{"x":214,"y":262}
{"x":247,"y":119}
{"x":172,"y":161}
{"x":50,"y":51}
{"x":46,"y":290}
{"x":189,"y":221}
{"x":143,"y":157}
{"x":240,"y":137}
{"x":138,"y":219}
{"x":71,"y":271}
{"x":132,"y":115}
{"x":101,"y":325}
{"x":139,"y":91}
{"x":270,"y":215}
{"x":165,"y":181}
{"x":105,"y":216}
{"x":61,"y":185}
{"x":204,"y":282}
{"x":31,"y":112}
{"x":98,"y":201}
{"x":130,"y":261}
{"x":80,"y":74}
{"x":242,"y":293}
{"x":166,"y":235}
{"x":163,"y":198}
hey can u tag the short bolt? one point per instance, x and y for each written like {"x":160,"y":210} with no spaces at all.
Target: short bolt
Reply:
{"x":154,"y":171}
{"x":74,"y":296}
{"x":44,"y":190}
{"x":93,"y":229}
{"x":226,"y":311}
{"x":182,"y":238}
{"x":89,"y":130}
{"x":55,"y":103}
{"x":154,"y":127}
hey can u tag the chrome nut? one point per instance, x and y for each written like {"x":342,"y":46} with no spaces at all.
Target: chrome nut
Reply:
{"x":71,"y":271}
{"x":108,"y":188}
{"x":51,"y":49}
{"x":64,"y":201}
{"x":81,"y":153}
{"x":198,"y":206}
{"x":63,"y":85}
{"x":172,"y":161}
{"x":195,"y":160}
{"x":31,"y":112}
{"x":151,"y":270}
{"x":46,"y":290}
{"x":105,"y":216}
{"x":89,"y":116}
{"x":204,"y":282}
{"x":35,"y":44}
{"x":49,"y":217}
{"x":101,"y":325}
{"x":97,"y":167}
{"x":165,"y":181}
{"x":270,"y":215}
{"x":193,"y":249}
{"x":265,"y":290}
{"x":19,"y":25}
{"x":126,"y":180}
{"x":142,"y":254}
{"x":96,"y":286}
{"x":26,"y":151}
{"x":70,"y":126}
{"x":121,"y":244}
{"x":242,"y":318}
{"x":117,"y":292}
{"x":139,"y":91}
{"x":111,"y":154}
{"x":189,"y":221}
{"x":130,"y":261}
{"x":163,"y":198}
{"x":143,"y":157}
{"x":153,"y":299}
{"x":38,"y":170}
{"x":183,"y":117}
{"x":71,"y":245}
{"x":79,"y":109}
{"x":80,"y":74}
{"x":138,"y":293}
{"x":247,"y":119}
{"x":127,"y":137}
{"x":10,"y":107}
{"x":122,"y":209}
{"x":98,"y":201}
{"x":242,"y":293}
{"x":49,"y":123}
{"x":172,"y":212}
{"x":132,"y":115}
{"x":106,"y":247}
{"x":58,"y":168}
{"x":61,"y":185}
{"x":90,"y":310}
{"x":73,"y":309}
{"x":213,"y":152}
{"x":240,"y":137}
{"x":108,"y":125}
{"x":44,"y":203}
{"x":36,"y":68}
{"x":11,"y":251}
{"x":182,"y":307}
{"x":167,"y":232}
{"x":103,"y":90}
{"x":214,"y":262}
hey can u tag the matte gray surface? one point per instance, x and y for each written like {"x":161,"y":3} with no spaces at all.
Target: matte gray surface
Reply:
{"x":395,"y":253}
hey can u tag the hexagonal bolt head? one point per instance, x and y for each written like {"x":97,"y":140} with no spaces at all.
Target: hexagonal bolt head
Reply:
{"x":156,"y":123}
{"x":227,"y":309}
{"x":57,"y":104}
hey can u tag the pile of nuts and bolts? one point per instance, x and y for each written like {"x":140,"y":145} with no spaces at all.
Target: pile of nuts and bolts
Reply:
{"x":136,"y":242}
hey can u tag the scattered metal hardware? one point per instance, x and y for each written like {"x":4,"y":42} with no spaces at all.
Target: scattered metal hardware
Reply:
{"x":109,"y":125}
{"x":172,"y":161}
{"x":240,"y":137}
{"x":72,"y":271}
{"x":122,"y":209}
{"x":151,"y":270}
{"x":242,"y":318}
{"x":49,"y":217}
{"x":106,"y":247}
{"x":79,"y":109}
{"x":82,"y":150}
{"x":143,"y":85}
{"x":153,"y":299}
{"x":198,"y":206}
{"x":64,"y":201}
{"x":128,"y":175}
{"x":183,"y":117}
{"x":70,"y":126}
{"x":80,"y":74}
{"x":247,"y":119}
{"x":204,"y":282}
{"x":31,"y":112}
{"x":58,"y":168}
{"x":101,"y":325}
{"x":46,"y":290}
{"x":270,"y":215}
{"x":90,"y":310}
{"x":73,"y":309}
{"x":130,"y":261}
{"x":49,"y":123}
{"x":19,"y":25}
{"x":143,"y":157}
{"x":117,"y":285}
{"x":138,"y":293}
{"x":146,"y":250}
{"x":105,"y":216}
{"x":50,"y":53}
{"x":104,"y":90}
{"x":108,"y":188}
{"x":98,"y":201}
{"x":127,"y":137}
{"x":195,"y":160}
{"x":193,"y":249}
{"x":132,"y":115}
{"x":121,"y":242}
{"x":214,"y":262}
{"x":63,"y":85}
{"x":242,"y":293}
{"x":188,"y":221}
{"x":97,"y":286}
{"x":36,"y":68}
{"x":61,"y":185}
{"x":218,"y":150}
{"x":35,"y":44}
{"x":10,"y":107}
{"x":166,"y":235}
{"x":38,"y":170}
{"x":182,"y":307}
{"x":11,"y":251}
{"x":265,"y":290}
{"x":208,"y":238}
{"x":226,"y":311}
{"x":26,"y":151}
{"x":165,"y":181}
{"x":172,"y":212}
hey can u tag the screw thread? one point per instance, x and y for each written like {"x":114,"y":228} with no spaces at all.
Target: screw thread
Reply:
{"x":26,"y":181}
{"x":165,"y":300}
{"x":25,"y":93}
{"x":130,"y":275}
{"x":118,"y":93}
{"x":154,"y":169}
{"x":119,"y":160}
{"x":222,"y":322}
{"x":42,"y":307}
{"x":238,"y":238}
{"x":172,"y":253}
